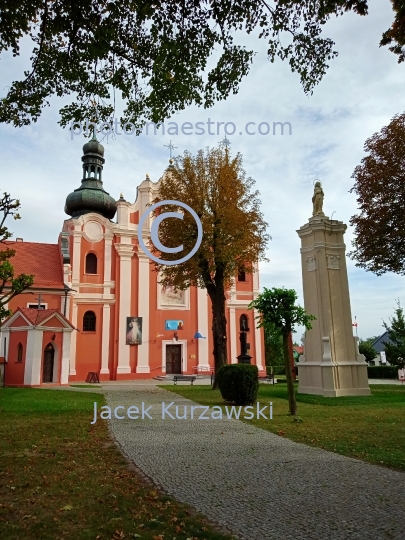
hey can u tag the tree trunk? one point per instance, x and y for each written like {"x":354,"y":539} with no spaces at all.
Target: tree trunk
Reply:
{"x":292,"y":404}
{"x":219,"y":323}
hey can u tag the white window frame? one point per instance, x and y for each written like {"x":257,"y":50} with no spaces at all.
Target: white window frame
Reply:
{"x":35,"y":305}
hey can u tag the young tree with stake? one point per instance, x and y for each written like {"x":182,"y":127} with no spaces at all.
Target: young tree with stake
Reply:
{"x":277,"y":307}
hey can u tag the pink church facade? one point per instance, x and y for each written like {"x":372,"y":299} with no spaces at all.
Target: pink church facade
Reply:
{"x":125,"y":325}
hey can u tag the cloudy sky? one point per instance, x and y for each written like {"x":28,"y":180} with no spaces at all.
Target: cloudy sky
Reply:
{"x":362,"y":90}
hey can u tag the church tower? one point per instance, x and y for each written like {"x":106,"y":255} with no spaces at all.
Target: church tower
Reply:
{"x":91,"y":196}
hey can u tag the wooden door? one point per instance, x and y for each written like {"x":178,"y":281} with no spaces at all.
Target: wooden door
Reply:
{"x":173,"y":359}
{"x":47,"y":372}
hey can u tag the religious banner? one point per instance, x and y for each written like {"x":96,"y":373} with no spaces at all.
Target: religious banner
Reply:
{"x":172,"y":297}
{"x":174,"y":325}
{"x":134,"y":331}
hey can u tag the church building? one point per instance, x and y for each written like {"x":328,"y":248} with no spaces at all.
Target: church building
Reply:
{"x":96,"y":305}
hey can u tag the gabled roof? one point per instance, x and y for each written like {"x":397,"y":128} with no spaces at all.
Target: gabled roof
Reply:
{"x":36,"y":317}
{"x":378,"y":343}
{"x":41,"y":260}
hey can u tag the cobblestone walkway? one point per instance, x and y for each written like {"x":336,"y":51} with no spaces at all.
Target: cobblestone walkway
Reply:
{"x":258,"y":485}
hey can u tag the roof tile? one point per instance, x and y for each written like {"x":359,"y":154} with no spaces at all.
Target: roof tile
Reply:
{"x":41,"y":260}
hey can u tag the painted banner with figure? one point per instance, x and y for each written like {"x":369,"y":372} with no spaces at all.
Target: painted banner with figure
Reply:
{"x":134,"y":331}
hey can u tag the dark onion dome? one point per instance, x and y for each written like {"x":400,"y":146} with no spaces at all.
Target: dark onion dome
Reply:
{"x":91,"y":196}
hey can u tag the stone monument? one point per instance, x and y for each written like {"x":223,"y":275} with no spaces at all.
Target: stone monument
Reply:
{"x":331,"y":365}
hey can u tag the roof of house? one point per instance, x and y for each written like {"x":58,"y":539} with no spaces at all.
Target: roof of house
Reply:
{"x":36,"y":316}
{"x":378,"y":343}
{"x":299,"y":349}
{"x":41,"y":260}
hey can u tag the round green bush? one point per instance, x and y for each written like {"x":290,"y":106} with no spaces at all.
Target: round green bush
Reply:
{"x":238,"y":383}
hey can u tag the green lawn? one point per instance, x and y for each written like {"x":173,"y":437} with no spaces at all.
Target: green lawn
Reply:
{"x":370,"y":428}
{"x":62,"y":478}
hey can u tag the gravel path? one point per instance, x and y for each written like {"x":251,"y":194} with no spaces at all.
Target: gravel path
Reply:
{"x":256,"y":484}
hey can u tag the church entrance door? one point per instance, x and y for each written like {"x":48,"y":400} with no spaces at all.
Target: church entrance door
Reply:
{"x":47,"y":370}
{"x":173,"y":359}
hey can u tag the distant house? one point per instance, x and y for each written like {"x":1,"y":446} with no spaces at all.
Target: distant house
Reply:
{"x":379,"y":346}
{"x":297,"y":352}
{"x":378,"y":343}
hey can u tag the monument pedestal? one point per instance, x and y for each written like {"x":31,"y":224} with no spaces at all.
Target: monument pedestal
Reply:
{"x":332,"y":365}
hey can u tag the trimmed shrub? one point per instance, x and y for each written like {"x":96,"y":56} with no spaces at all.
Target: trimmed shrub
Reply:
{"x":382,"y":372}
{"x":238,"y":383}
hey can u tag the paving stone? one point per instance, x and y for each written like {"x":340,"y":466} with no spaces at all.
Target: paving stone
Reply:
{"x":258,"y":485}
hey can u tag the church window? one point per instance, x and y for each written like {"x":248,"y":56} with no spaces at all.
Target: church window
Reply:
{"x":36,"y":306}
{"x":93,"y":171}
{"x":89,"y":322}
{"x":91,"y":263}
{"x":241,"y":275}
{"x":19,"y":352}
{"x":243,"y":323}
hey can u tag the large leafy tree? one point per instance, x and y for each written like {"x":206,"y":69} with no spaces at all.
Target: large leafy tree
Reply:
{"x":395,"y":350}
{"x":215,"y":186}
{"x":278,"y":307}
{"x":10,"y":285}
{"x":379,"y":244}
{"x":156,"y":54}
{"x":395,"y":36}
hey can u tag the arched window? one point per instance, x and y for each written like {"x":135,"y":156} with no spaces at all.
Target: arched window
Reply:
{"x":91,"y":263}
{"x":241,"y":275}
{"x":243,"y":323}
{"x":89,"y":322}
{"x":19,"y":352}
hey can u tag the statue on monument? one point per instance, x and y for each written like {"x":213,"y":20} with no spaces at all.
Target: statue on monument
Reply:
{"x":317,"y":200}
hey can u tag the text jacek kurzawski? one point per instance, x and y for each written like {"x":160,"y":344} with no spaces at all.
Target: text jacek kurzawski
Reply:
{"x":171,"y":411}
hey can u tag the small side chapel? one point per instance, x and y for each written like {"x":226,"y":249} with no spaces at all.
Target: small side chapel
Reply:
{"x":98,"y":306}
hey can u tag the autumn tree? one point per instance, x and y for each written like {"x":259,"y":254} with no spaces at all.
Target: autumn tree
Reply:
{"x":379,"y":228}
{"x":395,"y":349}
{"x":156,"y":54}
{"x":277,"y":307}
{"x":10,"y":285}
{"x":215,"y":186}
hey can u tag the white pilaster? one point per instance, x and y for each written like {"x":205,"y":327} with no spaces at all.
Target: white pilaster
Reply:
{"x":232,"y":333}
{"x":65,"y":356}
{"x":33,"y":357}
{"x":125,"y":252}
{"x":105,"y":343}
{"x":77,"y":242}
{"x":258,"y":344}
{"x":5,"y":335}
{"x":143,"y":311}
{"x":73,"y":341}
{"x":108,"y":238}
{"x":255,"y":278}
{"x":202,"y":321}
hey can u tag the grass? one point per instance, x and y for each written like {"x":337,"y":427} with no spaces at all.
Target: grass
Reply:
{"x":63,"y":478}
{"x":371,"y":428}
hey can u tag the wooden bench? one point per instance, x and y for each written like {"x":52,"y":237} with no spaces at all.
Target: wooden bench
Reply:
{"x":267,"y":378}
{"x":178,"y":378}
